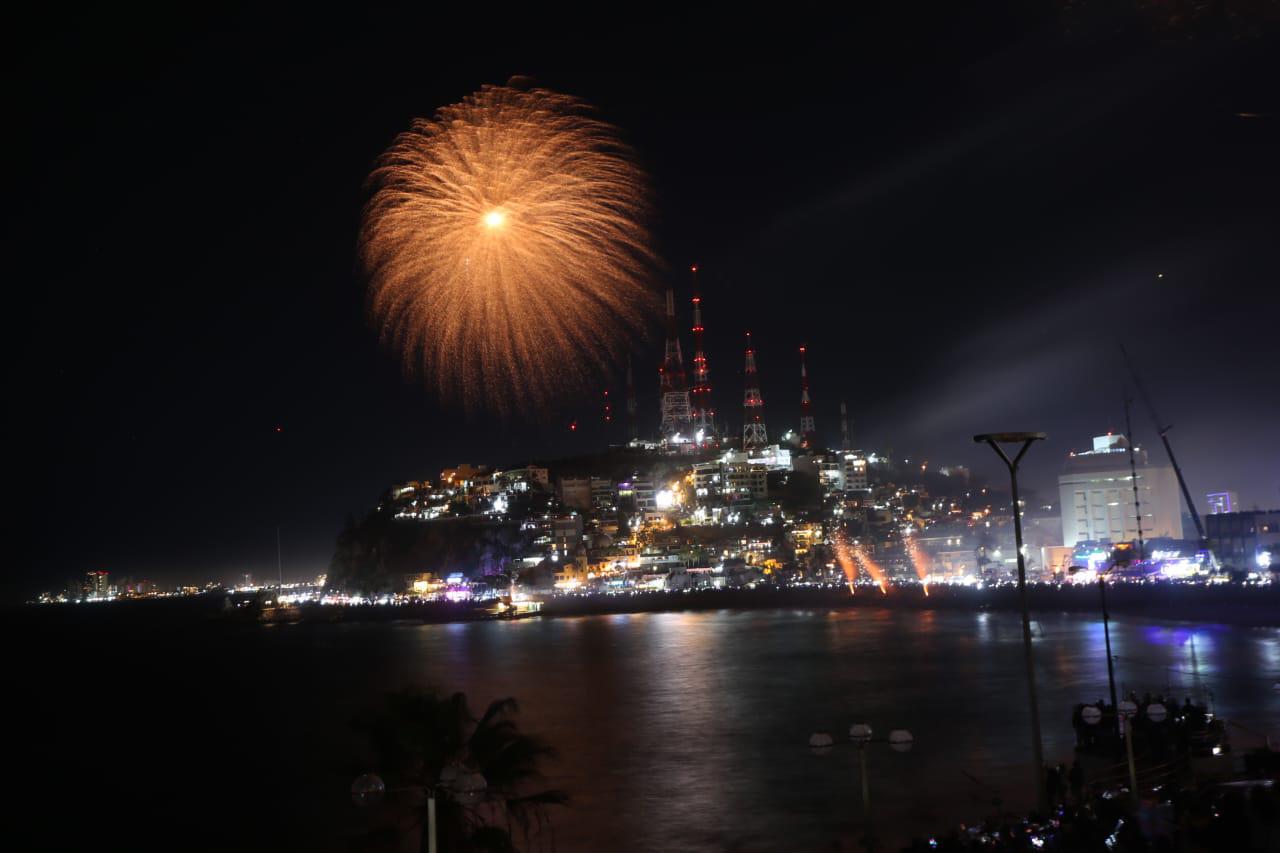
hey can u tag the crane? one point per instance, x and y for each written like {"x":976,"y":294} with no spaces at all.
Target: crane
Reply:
{"x":1163,"y":429}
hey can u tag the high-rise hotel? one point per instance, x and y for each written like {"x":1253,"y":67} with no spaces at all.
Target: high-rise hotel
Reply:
{"x":1097,"y":496}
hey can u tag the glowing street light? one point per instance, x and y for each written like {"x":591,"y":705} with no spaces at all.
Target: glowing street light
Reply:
{"x":994,"y":440}
{"x":860,"y":735}
{"x":1126,"y":711}
{"x":466,"y":785}
{"x":368,"y":789}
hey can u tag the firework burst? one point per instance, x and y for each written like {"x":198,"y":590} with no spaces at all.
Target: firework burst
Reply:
{"x":505,"y":247}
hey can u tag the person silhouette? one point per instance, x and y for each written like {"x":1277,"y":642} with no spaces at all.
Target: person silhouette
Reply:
{"x":1076,"y":777}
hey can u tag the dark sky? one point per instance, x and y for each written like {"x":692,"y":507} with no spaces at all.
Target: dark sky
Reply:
{"x":963,"y":217}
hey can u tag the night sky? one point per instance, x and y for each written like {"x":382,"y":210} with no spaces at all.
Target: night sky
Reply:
{"x":963,"y":218}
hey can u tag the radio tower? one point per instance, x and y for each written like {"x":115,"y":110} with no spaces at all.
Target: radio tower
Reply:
{"x":675,"y":393}
{"x":807,"y":433}
{"x":844,"y":426}
{"x":704,"y":417}
{"x":753,"y":432}
{"x":632,"y":424}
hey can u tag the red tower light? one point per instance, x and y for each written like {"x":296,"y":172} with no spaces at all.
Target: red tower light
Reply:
{"x":753,"y":430}
{"x":703,"y":416}
{"x":808,"y":435}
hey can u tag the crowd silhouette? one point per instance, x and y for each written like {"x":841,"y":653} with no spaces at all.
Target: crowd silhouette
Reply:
{"x":1173,"y":810}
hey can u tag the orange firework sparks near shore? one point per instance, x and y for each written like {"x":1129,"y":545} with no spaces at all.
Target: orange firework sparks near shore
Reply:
{"x":870,"y":567}
{"x":846,"y":562}
{"x":852,"y":555}
{"x":505,"y":247}
{"x":922,"y":563}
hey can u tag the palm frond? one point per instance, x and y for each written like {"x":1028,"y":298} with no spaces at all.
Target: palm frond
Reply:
{"x":550,"y":797}
{"x":491,"y":839}
{"x":498,"y":707}
{"x":419,"y":732}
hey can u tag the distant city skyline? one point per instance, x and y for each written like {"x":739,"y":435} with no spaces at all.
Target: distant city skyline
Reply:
{"x":961,"y":216}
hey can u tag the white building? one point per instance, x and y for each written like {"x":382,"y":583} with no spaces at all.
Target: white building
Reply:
{"x":1095,"y":492}
{"x":744,"y":480}
{"x":836,"y":472}
{"x":853,"y":468}
{"x":738,"y":476}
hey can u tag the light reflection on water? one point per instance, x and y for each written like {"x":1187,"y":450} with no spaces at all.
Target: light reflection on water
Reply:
{"x":675,"y":731}
{"x":687,"y":730}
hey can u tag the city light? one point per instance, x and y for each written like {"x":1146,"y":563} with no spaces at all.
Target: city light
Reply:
{"x":604,"y":490}
{"x":575,"y":539}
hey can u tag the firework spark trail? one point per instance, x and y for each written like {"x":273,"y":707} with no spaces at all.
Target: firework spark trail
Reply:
{"x":505,"y":247}
{"x":921,"y":561}
{"x":846,"y":561}
{"x":870,"y":567}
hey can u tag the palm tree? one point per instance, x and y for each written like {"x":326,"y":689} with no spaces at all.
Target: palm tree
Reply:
{"x":499,"y":547}
{"x":417,"y":735}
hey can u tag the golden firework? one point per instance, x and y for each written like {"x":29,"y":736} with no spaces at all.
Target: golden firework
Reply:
{"x":921,"y":562}
{"x":851,"y":555}
{"x":505,"y":247}
{"x":871,"y":567}
{"x":847,"y":565}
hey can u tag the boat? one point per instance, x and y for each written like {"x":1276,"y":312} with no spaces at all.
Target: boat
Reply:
{"x":280,"y":613}
{"x":522,"y":607}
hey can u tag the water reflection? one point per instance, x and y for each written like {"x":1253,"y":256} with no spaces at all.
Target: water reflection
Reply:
{"x":687,"y":731}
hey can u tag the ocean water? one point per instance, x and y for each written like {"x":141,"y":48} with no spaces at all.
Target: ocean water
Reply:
{"x":674,"y":731}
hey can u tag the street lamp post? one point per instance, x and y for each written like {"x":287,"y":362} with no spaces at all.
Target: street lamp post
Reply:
{"x":994,"y":440}
{"x":1106,"y":633}
{"x":466,"y":785}
{"x":899,"y":740}
{"x":860,"y":735}
{"x":1126,"y":711}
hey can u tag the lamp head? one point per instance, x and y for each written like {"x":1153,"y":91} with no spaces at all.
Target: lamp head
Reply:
{"x":1009,"y":437}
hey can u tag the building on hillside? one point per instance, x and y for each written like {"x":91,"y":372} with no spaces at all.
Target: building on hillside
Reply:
{"x":566,"y":535}
{"x":575,"y":492}
{"x":738,"y":476}
{"x":640,"y":489}
{"x":604,"y":494}
{"x":463,"y":476}
{"x":836,"y":472}
{"x":522,"y":479}
{"x":853,"y":469}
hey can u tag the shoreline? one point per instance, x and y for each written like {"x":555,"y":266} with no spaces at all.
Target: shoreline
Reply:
{"x":1247,"y":607}
{"x":1236,"y":606}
